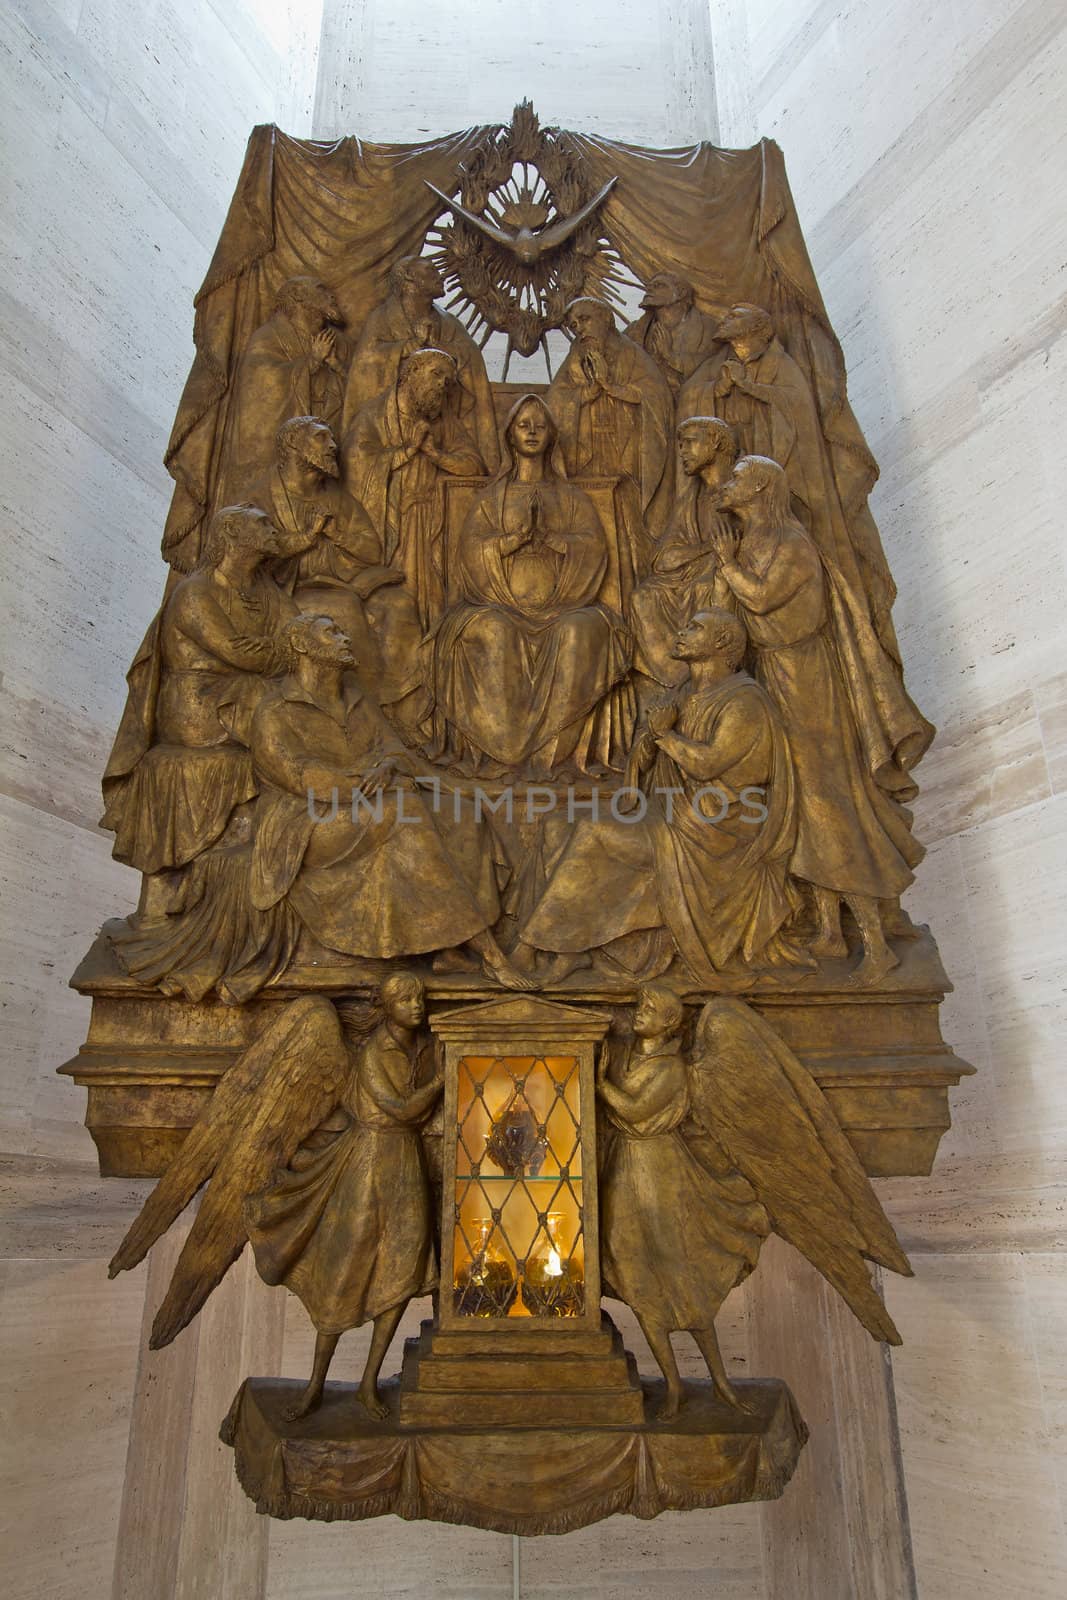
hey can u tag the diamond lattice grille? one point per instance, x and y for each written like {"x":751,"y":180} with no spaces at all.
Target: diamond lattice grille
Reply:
{"x":519,"y":1246}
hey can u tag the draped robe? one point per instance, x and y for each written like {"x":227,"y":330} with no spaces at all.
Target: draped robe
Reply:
{"x":179,"y":765}
{"x":403,"y":492}
{"x":529,"y":652}
{"x":683,"y":572}
{"x":719,"y":887}
{"x":349,"y":1231}
{"x":852,"y":835}
{"x":609,"y":437}
{"x":397,"y":881}
{"x":388,"y":336}
{"x":654,"y":1191}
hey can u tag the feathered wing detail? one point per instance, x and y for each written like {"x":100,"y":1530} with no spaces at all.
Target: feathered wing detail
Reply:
{"x":483,"y":225}
{"x":540,"y":243}
{"x":550,"y":238}
{"x":273,"y":1096}
{"x":773,"y":1120}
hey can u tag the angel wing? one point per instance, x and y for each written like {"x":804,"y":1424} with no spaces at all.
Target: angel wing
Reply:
{"x":273,"y":1096}
{"x":771,"y":1117}
{"x":550,"y":238}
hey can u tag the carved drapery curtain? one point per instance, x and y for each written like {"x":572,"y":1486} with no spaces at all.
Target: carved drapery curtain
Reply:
{"x":344,"y":211}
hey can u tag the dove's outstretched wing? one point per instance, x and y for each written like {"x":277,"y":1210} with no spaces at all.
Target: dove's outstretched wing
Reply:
{"x":273,"y":1096}
{"x":491,"y":231}
{"x":771,"y":1116}
{"x":551,"y":238}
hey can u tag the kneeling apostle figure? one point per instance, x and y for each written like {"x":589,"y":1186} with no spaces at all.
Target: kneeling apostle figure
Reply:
{"x":699,"y":867}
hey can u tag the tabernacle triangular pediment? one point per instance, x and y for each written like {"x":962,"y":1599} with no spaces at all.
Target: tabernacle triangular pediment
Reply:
{"x":525,"y":1012}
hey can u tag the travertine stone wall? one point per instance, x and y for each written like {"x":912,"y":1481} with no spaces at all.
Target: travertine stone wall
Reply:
{"x":926,"y":149}
{"x":122,"y":125}
{"x":628,"y":69}
{"x":922,"y":148}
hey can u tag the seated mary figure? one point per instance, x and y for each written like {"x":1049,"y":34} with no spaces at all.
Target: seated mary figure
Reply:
{"x":525,"y":663}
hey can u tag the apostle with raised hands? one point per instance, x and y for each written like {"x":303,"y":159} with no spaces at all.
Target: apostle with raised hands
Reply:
{"x":338,"y":566}
{"x":615,"y":410}
{"x":408,"y":320}
{"x":399,"y":451}
{"x":685,"y":559}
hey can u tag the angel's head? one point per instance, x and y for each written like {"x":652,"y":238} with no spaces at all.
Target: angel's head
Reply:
{"x":403,"y":999}
{"x":658,"y":1012}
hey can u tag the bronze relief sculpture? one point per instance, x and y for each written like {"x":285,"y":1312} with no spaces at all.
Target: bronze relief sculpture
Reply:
{"x":518,"y":783}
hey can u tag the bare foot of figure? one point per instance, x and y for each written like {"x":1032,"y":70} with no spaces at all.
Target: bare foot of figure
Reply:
{"x":372,"y":1401}
{"x":496,"y":965}
{"x":309,"y":1401}
{"x":509,"y":977}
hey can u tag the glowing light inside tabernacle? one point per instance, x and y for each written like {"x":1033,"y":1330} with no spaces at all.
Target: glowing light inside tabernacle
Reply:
{"x":519,"y":1246}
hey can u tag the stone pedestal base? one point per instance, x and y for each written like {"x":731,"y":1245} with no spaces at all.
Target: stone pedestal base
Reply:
{"x":342,"y":1465}
{"x":151,"y":1061}
{"x":547,"y":1377}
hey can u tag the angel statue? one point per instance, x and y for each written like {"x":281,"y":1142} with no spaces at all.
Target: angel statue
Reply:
{"x":310,"y":1149}
{"x":708,"y":1158}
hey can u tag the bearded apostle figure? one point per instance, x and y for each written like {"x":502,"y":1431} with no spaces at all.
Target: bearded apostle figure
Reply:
{"x":693,"y":860}
{"x":406,"y":321}
{"x":677,"y":335}
{"x":294,"y":365}
{"x":854,"y":840}
{"x":400,"y":449}
{"x":685,"y":561}
{"x":614,"y":409}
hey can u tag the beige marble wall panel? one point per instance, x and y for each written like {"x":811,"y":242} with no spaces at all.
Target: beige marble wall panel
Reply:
{"x":1051,"y":701}
{"x":401,"y":69}
{"x":223,"y":1541}
{"x":57,"y":883}
{"x":68,"y":1354}
{"x":1045,"y":1284}
{"x":980,"y":1452}
{"x":1013,"y":869}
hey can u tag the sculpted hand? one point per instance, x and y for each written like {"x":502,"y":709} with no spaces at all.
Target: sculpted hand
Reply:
{"x":322,"y":346}
{"x":724,"y":542}
{"x":662,"y":718}
{"x":595,"y":367}
{"x":625,"y":803}
{"x":377,"y":778}
{"x":724,"y":382}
